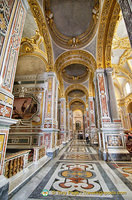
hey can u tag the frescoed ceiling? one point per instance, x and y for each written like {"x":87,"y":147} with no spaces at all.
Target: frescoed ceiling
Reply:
{"x":75,"y":73}
{"x":72,"y":24}
{"x":76,"y":93}
{"x":73,"y":29}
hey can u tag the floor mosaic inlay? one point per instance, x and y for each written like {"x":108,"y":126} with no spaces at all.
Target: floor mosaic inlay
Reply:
{"x":125,"y":169}
{"x":78,"y":173}
{"x":81,"y":178}
{"x":85,"y":157}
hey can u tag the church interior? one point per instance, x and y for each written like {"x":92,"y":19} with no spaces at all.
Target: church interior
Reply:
{"x":65,"y":99}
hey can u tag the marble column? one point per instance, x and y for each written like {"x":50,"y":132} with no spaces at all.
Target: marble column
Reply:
{"x":92,"y":124}
{"x":63,"y":120}
{"x":110,"y":132}
{"x":50,"y":121}
{"x":12,"y":17}
{"x":112,"y":97}
{"x":71,"y":123}
{"x":102,"y":97}
{"x":68,"y":123}
{"x":126,"y":7}
{"x":86,"y":123}
{"x":87,"y":119}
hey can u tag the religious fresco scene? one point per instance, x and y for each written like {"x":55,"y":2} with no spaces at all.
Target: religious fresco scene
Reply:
{"x":65,"y":99}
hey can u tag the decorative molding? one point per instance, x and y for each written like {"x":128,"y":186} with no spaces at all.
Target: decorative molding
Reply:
{"x":76,"y":86}
{"x":107,"y":26}
{"x":72,"y":57}
{"x":115,"y":16}
{"x":75,"y":41}
{"x":40,"y":20}
{"x":77,"y":99}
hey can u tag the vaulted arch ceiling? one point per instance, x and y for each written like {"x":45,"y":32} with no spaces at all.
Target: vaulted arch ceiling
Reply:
{"x":75,"y":73}
{"x":74,"y":67}
{"x":41,"y":23}
{"x":77,"y":103}
{"x":73,"y":57}
{"x":113,"y":46}
{"x":72,"y":24}
{"x":107,"y":26}
{"x":77,"y":87}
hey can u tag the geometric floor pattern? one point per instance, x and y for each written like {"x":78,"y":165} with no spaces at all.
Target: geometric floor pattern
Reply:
{"x":79,"y":174}
{"x":124,"y":168}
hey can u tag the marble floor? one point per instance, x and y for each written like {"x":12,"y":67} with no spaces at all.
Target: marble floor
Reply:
{"x":78,"y":172}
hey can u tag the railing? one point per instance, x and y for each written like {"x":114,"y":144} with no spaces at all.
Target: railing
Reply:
{"x":15,"y":163}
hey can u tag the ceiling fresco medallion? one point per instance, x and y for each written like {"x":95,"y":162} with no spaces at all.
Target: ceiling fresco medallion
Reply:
{"x":75,"y":73}
{"x":76,"y":93}
{"x":77,"y":105}
{"x":72,"y":24}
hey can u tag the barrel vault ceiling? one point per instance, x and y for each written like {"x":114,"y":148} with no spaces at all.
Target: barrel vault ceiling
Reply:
{"x":73,"y":25}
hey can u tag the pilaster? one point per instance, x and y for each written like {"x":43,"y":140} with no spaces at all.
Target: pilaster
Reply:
{"x":110,"y":131}
{"x":112,"y":97}
{"x":71,"y":123}
{"x":63,"y":120}
{"x":13,"y":15}
{"x":50,"y":121}
{"x":102,"y":97}
{"x":92,"y":123}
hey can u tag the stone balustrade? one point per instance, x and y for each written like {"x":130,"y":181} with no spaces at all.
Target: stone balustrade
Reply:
{"x":15,"y":162}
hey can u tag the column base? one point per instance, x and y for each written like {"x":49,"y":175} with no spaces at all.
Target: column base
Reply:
{"x":64,"y":143}
{"x":51,"y":153}
{"x":4,"y":186}
{"x":94,"y":136}
{"x":56,"y":151}
{"x":119,"y":155}
{"x":115,"y":155}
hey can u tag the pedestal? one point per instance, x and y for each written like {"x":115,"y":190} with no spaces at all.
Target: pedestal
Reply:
{"x":112,"y":143}
{"x":4,"y":186}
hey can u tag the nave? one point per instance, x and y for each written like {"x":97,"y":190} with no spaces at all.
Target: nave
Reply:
{"x":79,"y":172}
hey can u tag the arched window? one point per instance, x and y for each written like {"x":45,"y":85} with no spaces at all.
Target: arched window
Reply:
{"x":127,"y":88}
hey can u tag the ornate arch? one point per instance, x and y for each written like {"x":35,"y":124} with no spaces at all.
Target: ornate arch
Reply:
{"x":109,"y":18}
{"x":77,"y":86}
{"x":75,"y":56}
{"x":72,"y":57}
{"x":41,"y":23}
{"x":77,"y":99}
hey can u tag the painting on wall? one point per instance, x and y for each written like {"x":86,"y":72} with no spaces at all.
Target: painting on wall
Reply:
{"x":1,"y":142}
{"x":114,"y":141}
{"x":24,"y":108}
{"x":1,"y":145}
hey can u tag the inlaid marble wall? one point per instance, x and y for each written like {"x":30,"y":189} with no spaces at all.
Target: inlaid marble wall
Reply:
{"x":12,"y":17}
{"x":103,"y":97}
{"x":50,"y":115}
{"x":92,"y":121}
{"x":5,"y":15}
{"x":110,"y":132}
{"x":63,"y":120}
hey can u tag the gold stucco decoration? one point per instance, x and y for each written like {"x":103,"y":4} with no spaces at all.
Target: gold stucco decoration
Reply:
{"x":72,"y":57}
{"x":40,"y":20}
{"x":109,"y":17}
{"x":77,"y":100}
{"x":67,"y":41}
{"x":2,"y":22}
{"x":76,"y":87}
